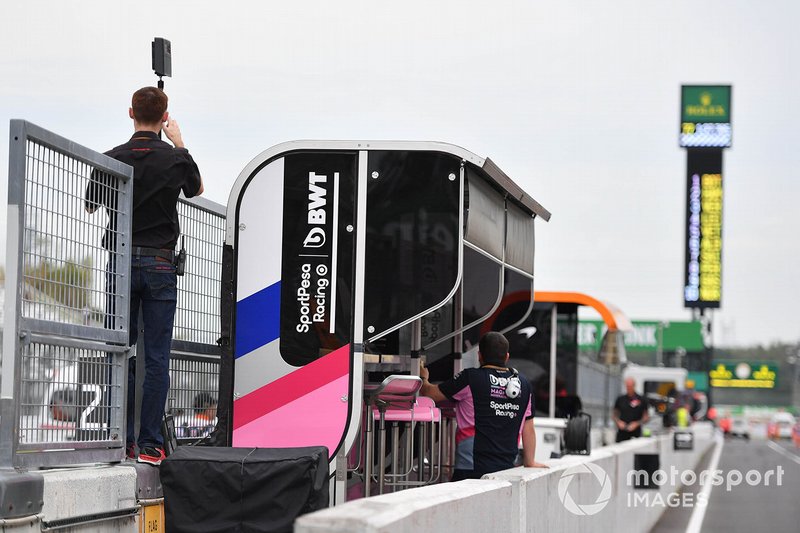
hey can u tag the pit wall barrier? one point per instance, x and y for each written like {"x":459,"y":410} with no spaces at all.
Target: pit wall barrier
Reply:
{"x":128,"y":498}
{"x":526,"y":500}
{"x":123,"y":498}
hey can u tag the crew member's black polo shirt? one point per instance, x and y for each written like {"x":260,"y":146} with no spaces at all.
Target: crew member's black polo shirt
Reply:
{"x":160,"y":172}
{"x":631,"y":408}
{"x":489,"y":422}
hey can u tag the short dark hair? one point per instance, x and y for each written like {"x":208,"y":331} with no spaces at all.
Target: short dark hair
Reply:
{"x":63,"y":406}
{"x":149,"y":104}
{"x":494,"y":348}
{"x":203,"y":401}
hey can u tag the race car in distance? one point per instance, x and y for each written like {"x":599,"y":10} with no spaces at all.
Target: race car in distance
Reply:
{"x":739,"y":428}
{"x":780,"y":426}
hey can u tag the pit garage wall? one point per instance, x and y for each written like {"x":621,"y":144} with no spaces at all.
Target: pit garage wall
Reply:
{"x":518,"y":500}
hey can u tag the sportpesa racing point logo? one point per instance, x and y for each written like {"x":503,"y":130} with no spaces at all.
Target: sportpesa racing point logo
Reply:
{"x":585,"y":509}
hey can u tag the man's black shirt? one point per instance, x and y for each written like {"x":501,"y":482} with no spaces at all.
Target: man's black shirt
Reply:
{"x":489,"y":422}
{"x":160,"y":172}
{"x":631,"y":408}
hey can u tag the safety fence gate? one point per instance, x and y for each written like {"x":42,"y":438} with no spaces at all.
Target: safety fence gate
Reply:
{"x":65,"y":339}
{"x":66,"y":302}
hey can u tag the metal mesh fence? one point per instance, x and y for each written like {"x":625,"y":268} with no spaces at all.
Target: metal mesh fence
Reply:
{"x":65,"y":398}
{"x":70,"y":286}
{"x":193,"y":394}
{"x":194,"y":363}
{"x":66,"y":279}
{"x":69,"y":239}
{"x":203,"y":232}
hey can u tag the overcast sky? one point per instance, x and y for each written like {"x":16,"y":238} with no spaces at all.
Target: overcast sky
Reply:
{"x":577,"y":101}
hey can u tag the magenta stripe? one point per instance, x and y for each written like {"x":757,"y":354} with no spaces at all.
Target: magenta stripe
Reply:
{"x":291,"y":386}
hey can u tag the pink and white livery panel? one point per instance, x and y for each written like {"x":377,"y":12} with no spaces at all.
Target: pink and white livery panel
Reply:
{"x":291,"y":223}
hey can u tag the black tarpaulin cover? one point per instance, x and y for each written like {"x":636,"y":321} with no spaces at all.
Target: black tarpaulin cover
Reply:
{"x":242,"y":489}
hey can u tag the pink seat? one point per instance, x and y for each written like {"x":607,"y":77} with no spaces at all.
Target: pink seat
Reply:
{"x":424,"y":410}
{"x":395,"y":400}
{"x":427,"y":404}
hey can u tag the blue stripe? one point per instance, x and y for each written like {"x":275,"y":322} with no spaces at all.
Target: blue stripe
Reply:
{"x":258,"y":319}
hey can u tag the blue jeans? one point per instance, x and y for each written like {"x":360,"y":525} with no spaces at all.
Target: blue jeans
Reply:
{"x":154,"y":289}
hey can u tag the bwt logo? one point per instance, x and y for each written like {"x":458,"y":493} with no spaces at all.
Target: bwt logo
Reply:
{"x":585,"y":509}
{"x":316,"y":211}
{"x":497,"y":381}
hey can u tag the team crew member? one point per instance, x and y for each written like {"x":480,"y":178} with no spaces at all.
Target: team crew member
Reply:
{"x":493,"y":406}
{"x":160,"y":173}
{"x":630,"y":412}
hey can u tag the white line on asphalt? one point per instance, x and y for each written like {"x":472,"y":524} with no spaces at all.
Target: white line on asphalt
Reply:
{"x":699,"y":512}
{"x":783,"y":452}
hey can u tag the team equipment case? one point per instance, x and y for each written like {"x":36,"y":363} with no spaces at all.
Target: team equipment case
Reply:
{"x":247,"y":490}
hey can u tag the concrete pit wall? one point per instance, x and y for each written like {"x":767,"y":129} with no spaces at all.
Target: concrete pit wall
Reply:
{"x":525,"y":500}
{"x":123,"y":498}
{"x":514,"y":501}
{"x":458,"y":506}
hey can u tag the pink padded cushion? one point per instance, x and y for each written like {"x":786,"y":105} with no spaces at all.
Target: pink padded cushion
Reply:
{"x":424,"y":410}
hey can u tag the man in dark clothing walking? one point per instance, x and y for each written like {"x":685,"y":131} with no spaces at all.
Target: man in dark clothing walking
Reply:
{"x":160,"y":173}
{"x":630,"y":412}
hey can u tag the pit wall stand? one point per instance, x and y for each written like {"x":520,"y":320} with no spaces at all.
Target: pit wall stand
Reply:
{"x":335,"y":247}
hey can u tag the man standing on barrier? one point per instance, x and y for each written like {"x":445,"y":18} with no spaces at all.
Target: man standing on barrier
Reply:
{"x":160,"y":173}
{"x":630,"y":413}
{"x":494,"y":407}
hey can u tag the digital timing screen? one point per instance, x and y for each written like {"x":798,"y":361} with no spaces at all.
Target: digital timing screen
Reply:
{"x":703,"y":274}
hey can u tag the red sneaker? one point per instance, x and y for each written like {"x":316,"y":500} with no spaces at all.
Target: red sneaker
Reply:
{"x":130,"y":451}
{"x":151,"y":455}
